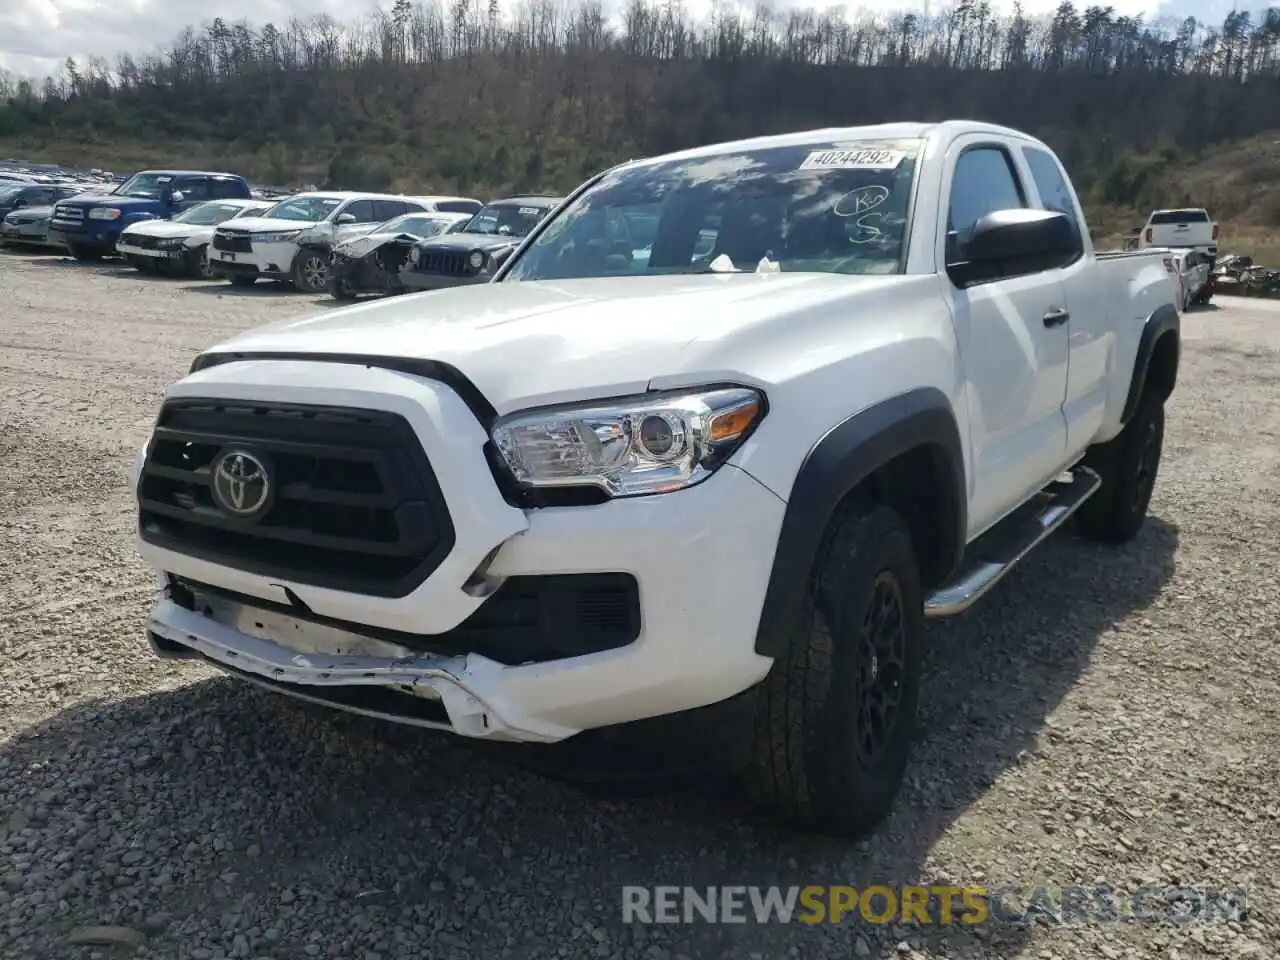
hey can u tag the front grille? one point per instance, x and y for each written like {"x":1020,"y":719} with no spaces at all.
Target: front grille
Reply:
{"x":232,"y":242}
{"x":452,"y":263}
{"x":142,"y":241}
{"x":64,"y":214}
{"x":357,"y":506}
{"x":534,"y":619}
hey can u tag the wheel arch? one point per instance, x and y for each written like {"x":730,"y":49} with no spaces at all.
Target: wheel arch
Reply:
{"x":905,"y":451}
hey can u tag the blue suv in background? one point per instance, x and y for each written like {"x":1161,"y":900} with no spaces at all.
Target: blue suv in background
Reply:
{"x":90,"y":225}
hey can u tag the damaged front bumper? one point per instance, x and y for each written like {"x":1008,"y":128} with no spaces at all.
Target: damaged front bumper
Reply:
{"x":348,"y":671}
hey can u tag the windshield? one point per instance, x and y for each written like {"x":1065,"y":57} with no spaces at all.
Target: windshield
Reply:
{"x":8,"y":193}
{"x":313,"y":209}
{"x":207,"y":214}
{"x":818,"y":208}
{"x":148,"y":185}
{"x":507,"y":219}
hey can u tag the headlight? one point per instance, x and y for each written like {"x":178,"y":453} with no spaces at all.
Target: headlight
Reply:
{"x":477,"y":259}
{"x":104,"y":213}
{"x":630,"y":446}
{"x":284,"y":237}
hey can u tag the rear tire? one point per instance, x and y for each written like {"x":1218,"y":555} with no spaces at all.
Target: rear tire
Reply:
{"x":1128,"y":465}
{"x":835,"y":717}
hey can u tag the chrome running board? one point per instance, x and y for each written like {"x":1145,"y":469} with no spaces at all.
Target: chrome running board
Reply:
{"x":1001,"y":548}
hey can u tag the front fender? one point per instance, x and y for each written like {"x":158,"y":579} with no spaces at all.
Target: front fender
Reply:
{"x":842,"y":459}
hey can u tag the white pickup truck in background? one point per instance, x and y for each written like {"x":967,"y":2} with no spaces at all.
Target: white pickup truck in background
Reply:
{"x":1188,"y":228}
{"x":665,"y":479}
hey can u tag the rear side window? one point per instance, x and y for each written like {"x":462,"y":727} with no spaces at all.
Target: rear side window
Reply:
{"x":459,"y":206}
{"x":1165,"y":217}
{"x":1051,"y":184}
{"x":224,"y":189}
{"x":384,"y":210}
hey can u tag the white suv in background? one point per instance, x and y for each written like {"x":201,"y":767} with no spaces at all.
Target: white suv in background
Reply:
{"x":290,"y":241}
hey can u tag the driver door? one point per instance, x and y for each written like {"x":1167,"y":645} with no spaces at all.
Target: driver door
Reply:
{"x":362,"y":213}
{"x":1013,"y":345}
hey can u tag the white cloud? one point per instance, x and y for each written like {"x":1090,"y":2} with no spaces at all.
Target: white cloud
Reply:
{"x":36,"y":36}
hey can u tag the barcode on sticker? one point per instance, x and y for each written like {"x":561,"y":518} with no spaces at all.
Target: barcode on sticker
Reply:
{"x":853,"y":160}
{"x":529,"y":211}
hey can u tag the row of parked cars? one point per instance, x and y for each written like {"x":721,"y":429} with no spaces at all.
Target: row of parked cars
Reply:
{"x":213,"y":226}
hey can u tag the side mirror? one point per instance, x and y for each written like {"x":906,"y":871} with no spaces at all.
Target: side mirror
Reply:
{"x":1013,"y":243}
{"x":346,"y":218}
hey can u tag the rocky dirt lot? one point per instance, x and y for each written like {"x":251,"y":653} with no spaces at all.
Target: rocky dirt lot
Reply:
{"x":1108,"y":716}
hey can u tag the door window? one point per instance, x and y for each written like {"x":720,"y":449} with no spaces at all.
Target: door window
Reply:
{"x":362,"y":210}
{"x":193,"y":189}
{"x":984,"y":181}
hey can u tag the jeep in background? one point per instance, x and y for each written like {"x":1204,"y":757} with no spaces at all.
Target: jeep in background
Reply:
{"x":371,"y":262}
{"x":635,"y":479}
{"x":90,"y":225}
{"x":473,"y":252}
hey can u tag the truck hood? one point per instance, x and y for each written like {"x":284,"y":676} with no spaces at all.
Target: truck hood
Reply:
{"x":268,"y":224}
{"x":124,"y":203}
{"x":529,"y":343}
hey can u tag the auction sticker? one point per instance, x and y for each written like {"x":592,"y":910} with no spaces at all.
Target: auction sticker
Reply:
{"x":853,"y":160}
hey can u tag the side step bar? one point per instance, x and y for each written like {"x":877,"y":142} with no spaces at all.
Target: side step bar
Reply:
{"x":1000,"y":549}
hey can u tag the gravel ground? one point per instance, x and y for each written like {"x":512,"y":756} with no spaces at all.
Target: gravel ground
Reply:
{"x":1107,"y":716}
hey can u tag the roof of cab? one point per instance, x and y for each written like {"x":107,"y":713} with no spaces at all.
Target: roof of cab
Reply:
{"x":194,"y":173}
{"x":878,"y":131}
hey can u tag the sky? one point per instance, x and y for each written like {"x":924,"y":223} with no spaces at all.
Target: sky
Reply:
{"x":38,"y":35}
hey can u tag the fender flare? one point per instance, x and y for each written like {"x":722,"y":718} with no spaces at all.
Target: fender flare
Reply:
{"x":844,"y":457}
{"x":1164,"y":321}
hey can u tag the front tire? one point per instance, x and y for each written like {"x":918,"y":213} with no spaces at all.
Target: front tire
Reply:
{"x":1128,"y":465}
{"x":311,"y":270}
{"x":84,"y":254}
{"x":196,"y":264}
{"x":340,"y":288}
{"x":835,"y":717}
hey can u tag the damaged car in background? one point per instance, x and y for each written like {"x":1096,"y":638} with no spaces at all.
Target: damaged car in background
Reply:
{"x":181,"y":246}
{"x":477,"y":249}
{"x":371,"y":262}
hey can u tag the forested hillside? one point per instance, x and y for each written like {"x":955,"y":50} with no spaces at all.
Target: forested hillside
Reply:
{"x":464,"y":96}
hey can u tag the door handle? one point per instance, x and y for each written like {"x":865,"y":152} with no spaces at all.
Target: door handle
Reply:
{"x":1056,"y":317}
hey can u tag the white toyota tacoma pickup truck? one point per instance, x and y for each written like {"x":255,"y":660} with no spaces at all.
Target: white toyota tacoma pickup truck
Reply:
{"x":642,"y":476}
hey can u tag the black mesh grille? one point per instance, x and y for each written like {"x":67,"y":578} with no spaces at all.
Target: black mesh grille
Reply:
{"x":142,"y":241}
{"x":451,"y":263}
{"x":357,"y":506}
{"x":232,"y":242}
